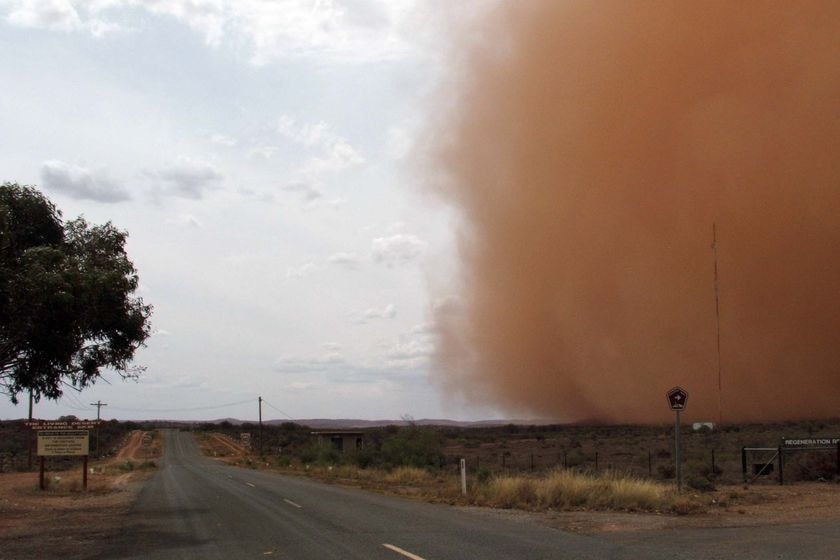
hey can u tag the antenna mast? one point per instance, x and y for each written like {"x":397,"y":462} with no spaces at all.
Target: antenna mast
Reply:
{"x":717,"y":319}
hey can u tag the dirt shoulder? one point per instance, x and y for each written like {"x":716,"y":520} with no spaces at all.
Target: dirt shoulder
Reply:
{"x":63,"y":521}
{"x":732,"y":506}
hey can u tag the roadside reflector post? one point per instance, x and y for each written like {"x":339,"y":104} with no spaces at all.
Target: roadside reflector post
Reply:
{"x":464,"y":477}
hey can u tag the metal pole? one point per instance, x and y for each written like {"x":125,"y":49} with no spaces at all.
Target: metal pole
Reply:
{"x":677,"y":450}
{"x":781,"y":466}
{"x":84,"y":474}
{"x":41,"y":477}
{"x":259,"y":399}
{"x":744,"y":463}
{"x":717,"y":319}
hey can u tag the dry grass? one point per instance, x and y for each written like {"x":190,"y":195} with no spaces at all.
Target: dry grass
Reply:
{"x":564,"y":489}
{"x":408,"y":475}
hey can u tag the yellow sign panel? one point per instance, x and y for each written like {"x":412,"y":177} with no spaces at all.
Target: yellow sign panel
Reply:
{"x":62,"y":443}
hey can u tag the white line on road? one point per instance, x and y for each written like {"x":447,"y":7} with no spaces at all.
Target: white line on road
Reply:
{"x":405,"y":553}
{"x":291,"y":503}
{"x":251,"y":485}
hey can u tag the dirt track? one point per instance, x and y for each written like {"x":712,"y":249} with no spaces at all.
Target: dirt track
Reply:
{"x":131,"y":449}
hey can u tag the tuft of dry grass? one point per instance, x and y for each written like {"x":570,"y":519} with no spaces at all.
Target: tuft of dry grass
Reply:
{"x":564,"y":489}
{"x":408,"y":475}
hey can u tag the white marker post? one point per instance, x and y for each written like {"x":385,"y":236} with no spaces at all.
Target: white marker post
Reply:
{"x":464,"y":477}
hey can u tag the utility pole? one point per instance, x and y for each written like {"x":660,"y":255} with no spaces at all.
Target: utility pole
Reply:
{"x":98,"y":405}
{"x":30,"y":431}
{"x":717,"y":319}
{"x":259,"y":400}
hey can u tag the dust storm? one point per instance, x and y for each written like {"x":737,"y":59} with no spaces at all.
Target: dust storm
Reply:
{"x":589,"y":149}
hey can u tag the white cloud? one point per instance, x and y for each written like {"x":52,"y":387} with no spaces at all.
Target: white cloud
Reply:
{"x":397,"y":249}
{"x":81,"y":183}
{"x":58,"y":15}
{"x":353,"y":31}
{"x":61,"y":15}
{"x":223,"y":140}
{"x":410,"y":350}
{"x":349,"y":261}
{"x":388,"y":312}
{"x":300,"y":271}
{"x":188,"y":178}
{"x":205,"y":16}
{"x":399,"y":142}
{"x":336,"y":152}
{"x":305,"y":134}
{"x":263,"y":152}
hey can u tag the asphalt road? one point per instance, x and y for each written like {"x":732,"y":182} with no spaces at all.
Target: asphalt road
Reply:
{"x":196,"y":508}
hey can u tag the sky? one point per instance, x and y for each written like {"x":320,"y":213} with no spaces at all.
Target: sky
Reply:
{"x":257,"y":153}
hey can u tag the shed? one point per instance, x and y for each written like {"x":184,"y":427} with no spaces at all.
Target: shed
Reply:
{"x":343,"y":440}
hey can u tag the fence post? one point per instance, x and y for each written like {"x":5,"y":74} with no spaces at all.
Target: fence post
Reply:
{"x":650,"y":463}
{"x":714,"y":470}
{"x":596,"y":460}
{"x":532,"y":461}
{"x":781,"y":466}
{"x":744,"y":463}
{"x":503,"y":459}
{"x":566,"y":457}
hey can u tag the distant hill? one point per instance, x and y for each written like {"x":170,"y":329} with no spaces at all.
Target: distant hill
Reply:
{"x":351,"y":423}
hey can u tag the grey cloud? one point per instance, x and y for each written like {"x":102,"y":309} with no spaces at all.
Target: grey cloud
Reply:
{"x":347,"y":260}
{"x":188,"y":178}
{"x":307,"y":191}
{"x":81,"y":183}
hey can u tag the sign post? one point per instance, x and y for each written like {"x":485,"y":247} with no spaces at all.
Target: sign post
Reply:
{"x":63,"y":439}
{"x":677,"y":399}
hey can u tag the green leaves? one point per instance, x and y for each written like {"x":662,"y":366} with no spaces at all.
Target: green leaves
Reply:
{"x":67,"y":309}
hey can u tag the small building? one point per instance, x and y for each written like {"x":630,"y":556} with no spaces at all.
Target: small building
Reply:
{"x":343,"y":440}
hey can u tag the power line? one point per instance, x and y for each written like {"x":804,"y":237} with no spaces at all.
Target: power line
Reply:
{"x":277,"y":409}
{"x":188,"y":409}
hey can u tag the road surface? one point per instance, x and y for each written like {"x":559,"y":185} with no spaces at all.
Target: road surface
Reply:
{"x":196,"y":508}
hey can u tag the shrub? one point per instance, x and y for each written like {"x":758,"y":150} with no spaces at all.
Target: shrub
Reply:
{"x":412,"y":446}
{"x":320,"y":454}
{"x":666,"y":471}
{"x":700,"y":483}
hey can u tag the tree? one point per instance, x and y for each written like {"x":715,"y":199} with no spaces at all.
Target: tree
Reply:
{"x":67,"y":309}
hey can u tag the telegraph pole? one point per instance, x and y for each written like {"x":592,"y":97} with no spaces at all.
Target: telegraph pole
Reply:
{"x":259,"y":400}
{"x":31,"y":431}
{"x":98,"y":405}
